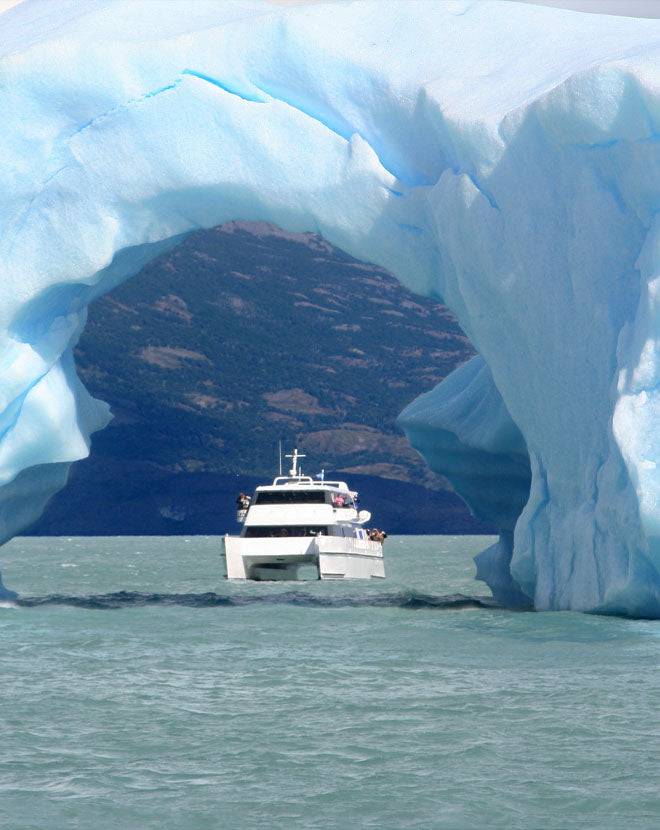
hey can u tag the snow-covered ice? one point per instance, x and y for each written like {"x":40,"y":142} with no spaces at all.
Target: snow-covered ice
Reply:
{"x":503,"y":157}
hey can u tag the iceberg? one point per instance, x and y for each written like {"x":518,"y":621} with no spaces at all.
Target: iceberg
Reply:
{"x":501,"y":156}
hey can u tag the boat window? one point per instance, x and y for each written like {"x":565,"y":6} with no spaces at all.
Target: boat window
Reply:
{"x":291,"y":497}
{"x":275,"y":531}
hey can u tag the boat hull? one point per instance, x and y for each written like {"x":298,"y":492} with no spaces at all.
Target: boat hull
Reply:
{"x":334,"y":557}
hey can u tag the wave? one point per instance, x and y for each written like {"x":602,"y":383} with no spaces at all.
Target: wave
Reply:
{"x":135,"y":599}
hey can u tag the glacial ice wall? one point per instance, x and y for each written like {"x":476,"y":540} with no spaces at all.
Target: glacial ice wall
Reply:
{"x":503,"y":157}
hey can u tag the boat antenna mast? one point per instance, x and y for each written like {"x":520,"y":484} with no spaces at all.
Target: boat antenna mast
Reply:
{"x":294,"y":462}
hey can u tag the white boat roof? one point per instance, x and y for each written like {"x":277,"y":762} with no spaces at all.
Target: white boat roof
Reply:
{"x":306,"y":482}
{"x":297,"y":479}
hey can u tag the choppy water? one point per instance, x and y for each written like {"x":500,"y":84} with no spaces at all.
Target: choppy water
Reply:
{"x":140,"y":690}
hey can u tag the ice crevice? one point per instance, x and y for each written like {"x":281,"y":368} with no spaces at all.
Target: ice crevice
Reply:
{"x":147,"y":96}
{"x":518,"y":184}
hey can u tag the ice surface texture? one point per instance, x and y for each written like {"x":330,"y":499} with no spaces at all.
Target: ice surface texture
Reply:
{"x":502,"y":157}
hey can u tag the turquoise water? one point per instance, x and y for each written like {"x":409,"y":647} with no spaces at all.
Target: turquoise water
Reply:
{"x":140,"y":690}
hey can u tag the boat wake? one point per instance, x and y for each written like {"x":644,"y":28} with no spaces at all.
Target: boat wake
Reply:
{"x":410,"y":600}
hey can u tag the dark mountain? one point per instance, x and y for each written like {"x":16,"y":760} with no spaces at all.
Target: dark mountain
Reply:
{"x":240,"y":337}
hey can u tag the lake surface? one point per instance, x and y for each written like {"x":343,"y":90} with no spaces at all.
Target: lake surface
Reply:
{"x":141,"y":690}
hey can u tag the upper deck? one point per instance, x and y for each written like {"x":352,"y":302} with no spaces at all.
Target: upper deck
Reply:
{"x":299,"y":500}
{"x":306,"y":481}
{"x":303,"y":490}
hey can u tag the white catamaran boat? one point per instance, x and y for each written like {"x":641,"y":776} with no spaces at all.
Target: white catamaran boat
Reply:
{"x":298,"y":521}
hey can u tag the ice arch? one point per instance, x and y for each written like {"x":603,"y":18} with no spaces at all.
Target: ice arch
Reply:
{"x":503,"y":157}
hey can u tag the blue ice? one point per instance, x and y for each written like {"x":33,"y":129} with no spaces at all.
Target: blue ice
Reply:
{"x":503,"y":157}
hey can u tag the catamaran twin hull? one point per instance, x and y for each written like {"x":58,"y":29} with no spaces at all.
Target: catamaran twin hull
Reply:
{"x":334,"y":557}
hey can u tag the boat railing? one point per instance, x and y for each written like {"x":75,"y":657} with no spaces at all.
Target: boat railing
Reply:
{"x":280,"y":480}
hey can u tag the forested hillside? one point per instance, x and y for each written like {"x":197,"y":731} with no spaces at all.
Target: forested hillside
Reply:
{"x":240,"y":337}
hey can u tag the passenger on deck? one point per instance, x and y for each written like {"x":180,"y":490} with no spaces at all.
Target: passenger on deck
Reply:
{"x":338,"y":500}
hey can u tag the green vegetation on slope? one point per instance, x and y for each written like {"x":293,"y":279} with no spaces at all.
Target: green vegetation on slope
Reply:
{"x":244,"y":335}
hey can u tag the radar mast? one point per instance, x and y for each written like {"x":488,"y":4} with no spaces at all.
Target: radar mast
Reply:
{"x":294,"y":462}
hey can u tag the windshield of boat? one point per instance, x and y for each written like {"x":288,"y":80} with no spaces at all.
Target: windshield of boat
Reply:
{"x":292,"y":496}
{"x":275,"y":531}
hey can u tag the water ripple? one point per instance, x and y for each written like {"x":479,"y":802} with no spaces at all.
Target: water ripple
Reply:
{"x":134,"y":599}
